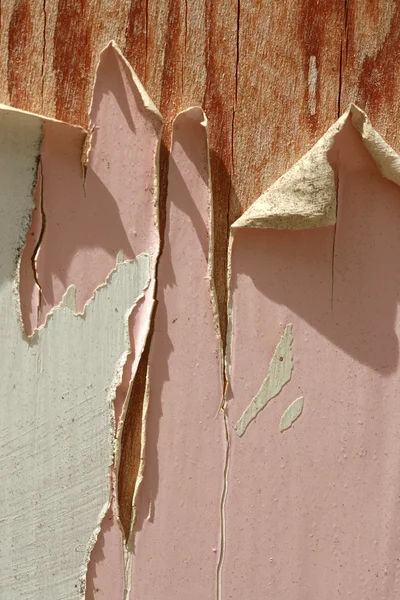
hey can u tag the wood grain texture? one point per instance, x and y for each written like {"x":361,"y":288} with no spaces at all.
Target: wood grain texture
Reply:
{"x":246,"y":62}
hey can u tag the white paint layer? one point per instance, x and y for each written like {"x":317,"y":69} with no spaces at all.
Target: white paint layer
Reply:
{"x":57,"y":388}
{"x":280,"y":372}
{"x":291,"y":414}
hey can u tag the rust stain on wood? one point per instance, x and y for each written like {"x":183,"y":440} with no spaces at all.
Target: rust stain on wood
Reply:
{"x":19,"y":53}
{"x":377,"y":82}
{"x":136,"y":37}
{"x":72,"y":60}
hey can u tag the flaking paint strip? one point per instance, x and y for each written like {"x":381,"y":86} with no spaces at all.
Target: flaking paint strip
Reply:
{"x":280,"y":372}
{"x":129,"y":532}
{"x":291,"y":414}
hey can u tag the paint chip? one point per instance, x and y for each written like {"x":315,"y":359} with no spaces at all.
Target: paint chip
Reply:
{"x":280,"y":372}
{"x":291,"y":414}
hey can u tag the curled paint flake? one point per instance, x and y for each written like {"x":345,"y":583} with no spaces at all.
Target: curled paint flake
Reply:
{"x":291,"y":414}
{"x":280,"y":372}
{"x":305,"y":196}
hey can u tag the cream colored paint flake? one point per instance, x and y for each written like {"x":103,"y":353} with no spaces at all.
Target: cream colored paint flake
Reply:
{"x":291,"y":414}
{"x":57,"y":390}
{"x":312,"y":85}
{"x":305,"y":196}
{"x":280,"y":372}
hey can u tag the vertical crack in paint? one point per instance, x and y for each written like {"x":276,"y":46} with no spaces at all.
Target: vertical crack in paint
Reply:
{"x":223,"y":502}
{"x":224,"y":324}
{"x":131,"y":435}
{"x":39,"y":241}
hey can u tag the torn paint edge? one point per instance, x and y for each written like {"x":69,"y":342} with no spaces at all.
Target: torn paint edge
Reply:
{"x":229,"y":301}
{"x":114,"y":383}
{"x":15,"y":290}
{"x":147,"y":101}
{"x":112,"y":389}
{"x":279,"y":374}
{"x":127,"y":542}
{"x":217,"y":326}
{"x":42,"y":120}
{"x":69,"y":298}
{"x":291,"y":414}
{"x":211,"y":233}
{"x":68,"y":302}
{"x":271,"y":209}
{"x":140,"y":474}
{"x":6,"y":107}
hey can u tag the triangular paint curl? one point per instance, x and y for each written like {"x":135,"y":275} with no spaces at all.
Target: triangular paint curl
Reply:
{"x":305,"y":196}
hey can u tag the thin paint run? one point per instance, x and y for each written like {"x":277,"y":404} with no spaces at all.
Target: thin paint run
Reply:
{"x":280,"y":372}
{"x":291,"y":414}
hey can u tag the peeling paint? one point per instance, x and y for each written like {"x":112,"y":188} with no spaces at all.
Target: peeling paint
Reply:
{"x":291,"y":414}
{"x":55,"y":426}
{"x":305,"y":196}
{"x":183,"y":473}
{"x":52,"y":257}
{"x":280,"y":372}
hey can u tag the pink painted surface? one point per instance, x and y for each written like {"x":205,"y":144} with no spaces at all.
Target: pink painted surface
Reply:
{"x":178,"y":529}
{"x":87,"y":225}
{"x":314,"y":512}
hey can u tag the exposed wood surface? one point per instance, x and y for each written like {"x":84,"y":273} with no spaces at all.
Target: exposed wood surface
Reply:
{"x":248,"y":63}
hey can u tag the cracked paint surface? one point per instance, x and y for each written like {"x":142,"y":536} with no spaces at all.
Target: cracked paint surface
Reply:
{"x":184,"y":454}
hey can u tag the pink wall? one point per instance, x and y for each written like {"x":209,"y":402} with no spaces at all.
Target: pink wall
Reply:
{"x":311,"y":512}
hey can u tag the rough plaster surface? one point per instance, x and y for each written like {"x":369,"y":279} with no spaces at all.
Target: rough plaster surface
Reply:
{"x":177,"y":544}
